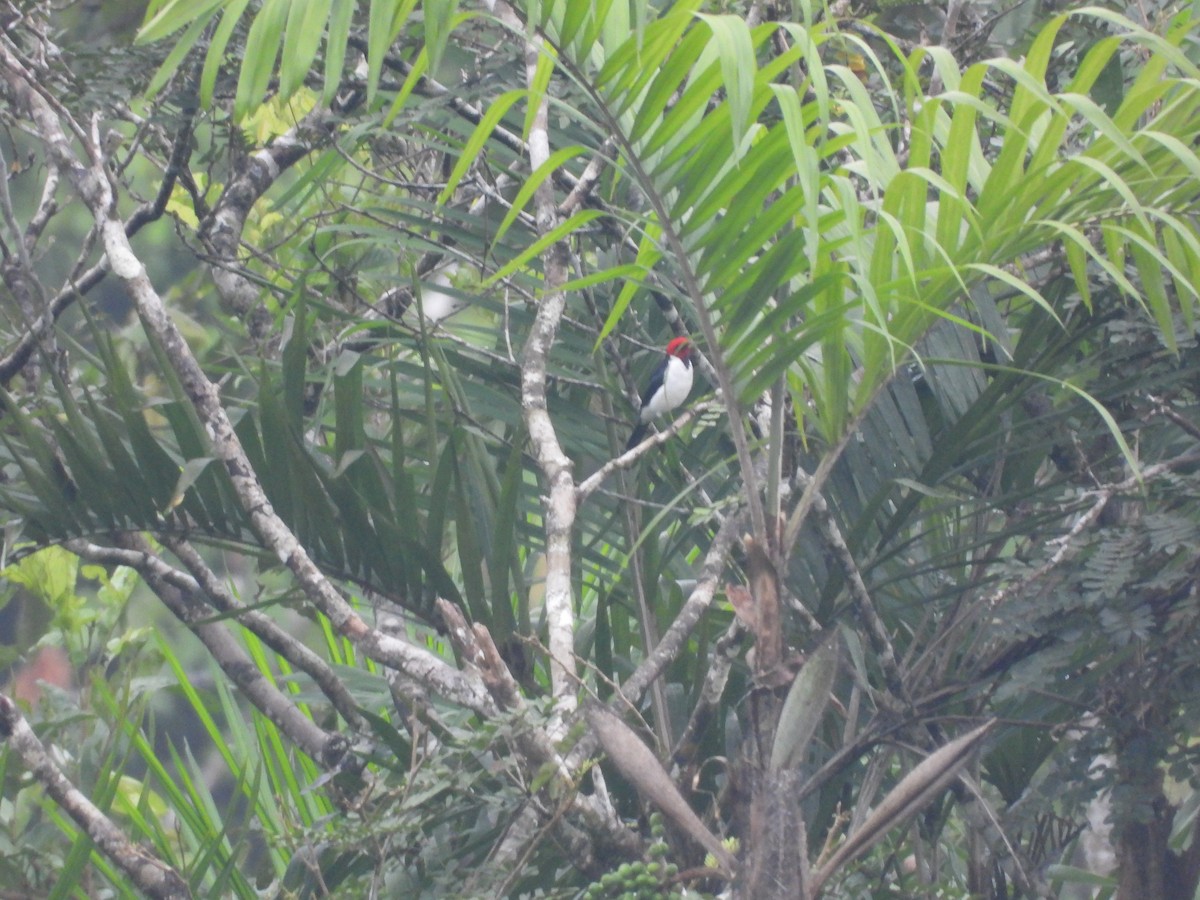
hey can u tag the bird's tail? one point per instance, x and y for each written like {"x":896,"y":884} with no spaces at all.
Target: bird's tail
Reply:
{"x":639,"y":432}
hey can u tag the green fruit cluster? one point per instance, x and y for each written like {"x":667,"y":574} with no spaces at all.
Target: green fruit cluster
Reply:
{"x":648,"y":879}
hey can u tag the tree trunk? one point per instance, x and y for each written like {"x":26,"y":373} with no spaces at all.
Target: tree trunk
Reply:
{"x":1148,"y":868}
{"x":775,"y":864}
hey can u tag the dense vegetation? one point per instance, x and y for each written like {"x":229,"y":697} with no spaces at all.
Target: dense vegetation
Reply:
{"x":327,"y":575}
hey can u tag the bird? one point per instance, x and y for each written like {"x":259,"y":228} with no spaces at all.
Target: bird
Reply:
{"x":669,"y":385}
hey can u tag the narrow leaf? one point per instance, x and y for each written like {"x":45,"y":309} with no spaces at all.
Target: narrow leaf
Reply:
{"x":439,"y":18}
{"x":735,"y":47}
{"x":577,"y":221}
{"x":478,"y":138}
{"x":805,"y":705}
{"x":335,"y":49}
{"x":258,"y":63}
{"x":305,"y":25}
{"x":544,"y":171}
{"x":216,"y":49}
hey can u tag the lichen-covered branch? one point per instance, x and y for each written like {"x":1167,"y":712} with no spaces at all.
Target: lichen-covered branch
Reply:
{"x":221,"y":231}
{"x":560,"y":504}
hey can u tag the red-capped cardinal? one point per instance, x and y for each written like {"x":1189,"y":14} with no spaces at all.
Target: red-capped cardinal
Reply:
{"x":670,"y":384}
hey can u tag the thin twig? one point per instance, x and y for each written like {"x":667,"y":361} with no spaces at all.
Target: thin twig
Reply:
{"x":627,"y":459}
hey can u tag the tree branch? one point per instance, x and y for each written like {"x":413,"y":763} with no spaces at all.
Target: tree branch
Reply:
{"x":221,"y":232}
{"x":187,"y":604}
{"x":267,"y":630}
{"x":151,"y":875}
{"x":631,"y":456}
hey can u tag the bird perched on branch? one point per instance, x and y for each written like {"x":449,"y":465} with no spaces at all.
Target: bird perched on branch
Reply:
{"x":669,"y":385}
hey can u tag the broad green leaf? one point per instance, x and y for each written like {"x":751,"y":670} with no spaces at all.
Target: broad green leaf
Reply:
{"x":1077,"y":259}
{"x":410,"y":84}
{"x":506,"y":541}
{"x":678,"y":129}
{"x":384,"y":21}
{"x":652,"y":105}
{"x":467,"y":545}
{"x":607,"y":18}
{"x":631,"y":273}
{"x":174,"y":15}
{"x":573,"y":17}
{"x":738,"y":66}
